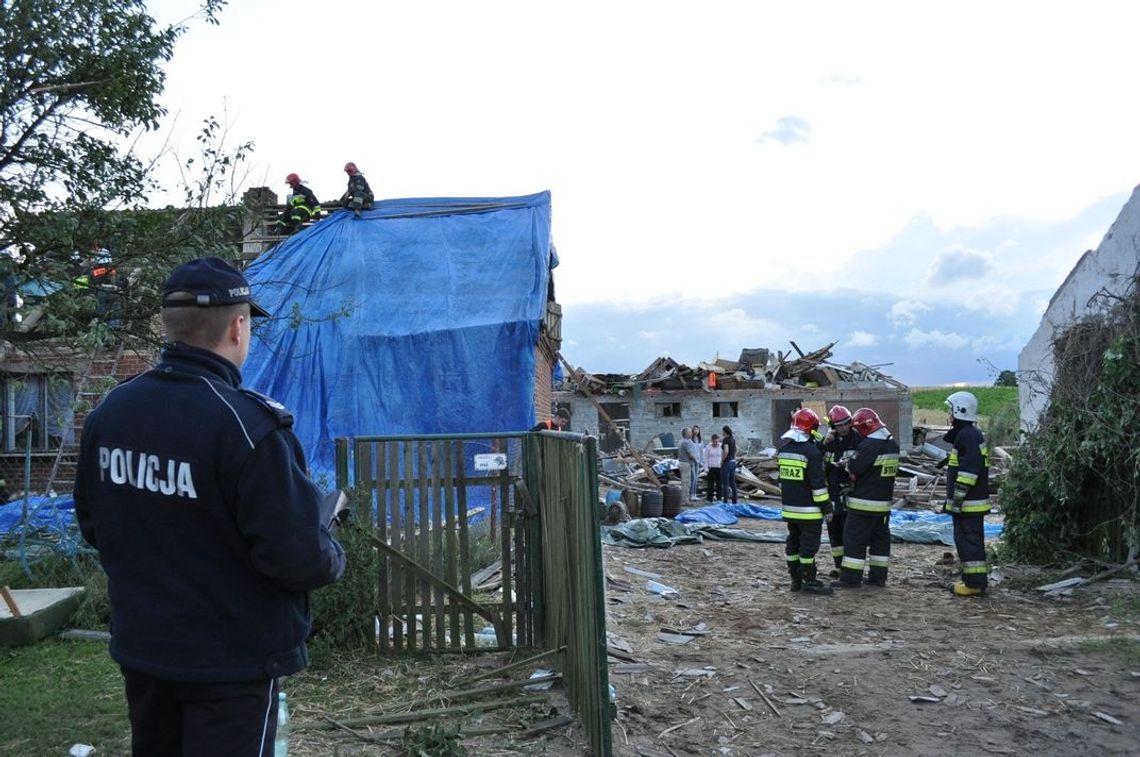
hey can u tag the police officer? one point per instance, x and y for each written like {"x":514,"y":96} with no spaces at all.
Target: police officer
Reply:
{"x":195,"y":493}
{"x":803,"y":492}
{"x":968,"y":492}
{"x":867,"y":533}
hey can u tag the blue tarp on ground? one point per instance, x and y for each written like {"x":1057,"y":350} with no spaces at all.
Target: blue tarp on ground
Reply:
{"x":420,"y":317}
{"x":906,"y":525}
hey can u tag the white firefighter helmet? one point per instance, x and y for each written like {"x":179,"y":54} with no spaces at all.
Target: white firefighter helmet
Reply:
{"x":963,"y":406}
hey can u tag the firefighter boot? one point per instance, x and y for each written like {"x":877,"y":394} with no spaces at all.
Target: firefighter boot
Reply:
{"x":813,"y":584}
{"x":962,"y":590}
{"x":838,"y":564}
{"x":797,"y":576}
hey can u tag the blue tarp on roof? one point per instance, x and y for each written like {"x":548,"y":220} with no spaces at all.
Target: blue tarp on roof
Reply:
{"x":420,"y":317}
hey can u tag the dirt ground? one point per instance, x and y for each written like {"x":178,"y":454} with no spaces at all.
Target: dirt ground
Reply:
{"x":784,"y":674}
{"x":776,"y":673}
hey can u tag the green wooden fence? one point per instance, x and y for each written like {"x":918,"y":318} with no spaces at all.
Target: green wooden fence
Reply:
{"x":445,"y":510}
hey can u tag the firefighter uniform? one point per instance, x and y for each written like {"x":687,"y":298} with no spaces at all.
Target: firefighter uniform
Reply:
{"x":803,"y":492}
{"x":873,"y":467}
{"x":838,"y":483}
{"x":300,"y":208}
{"x":968,"y":499}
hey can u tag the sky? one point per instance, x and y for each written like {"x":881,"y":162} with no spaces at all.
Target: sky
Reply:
{"x":909,"y":180}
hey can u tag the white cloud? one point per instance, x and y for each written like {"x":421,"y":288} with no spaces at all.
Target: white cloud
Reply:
{"x":789,"y":130}
{"x":956,"y":262}
{"x":919,"y":338}
{"x":862,"y":339}
{"x":907,"y":311}
{"x":649,"y":336}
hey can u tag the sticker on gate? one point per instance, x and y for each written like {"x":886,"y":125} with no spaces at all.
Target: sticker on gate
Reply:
{"x":491,"y":461}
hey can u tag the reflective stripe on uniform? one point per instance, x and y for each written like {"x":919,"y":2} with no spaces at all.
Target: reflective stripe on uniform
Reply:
{"x":868,"y":505}
{"x":820,"y":495}
{"x":837,"y":551}
{"x":966,"y":479}
{"x":792,"y":512}
{"x":793,"y":558}
{"x":852,"y":563}
{"x":975,"y":506}
{"x":974,"y":568}
{"x":881,"y":561}
{"x":807,"y":560}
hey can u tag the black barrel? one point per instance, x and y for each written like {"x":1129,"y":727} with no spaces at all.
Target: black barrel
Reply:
{"x":651,"y":504}
{"x":670,"y":500}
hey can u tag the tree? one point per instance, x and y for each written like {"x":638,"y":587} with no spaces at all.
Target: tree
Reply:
{"x":1006,"y":378}
{"x":80,"y":77}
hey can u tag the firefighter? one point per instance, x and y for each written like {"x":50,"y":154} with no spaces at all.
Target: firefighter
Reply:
{"x":968,"y":492}
{"x":359,"y":194}
{"x":559,"y":422}
{"x":301,"y":206}
{"x":839,"y":441}
{"x":872,"y":468}
{"x":803,"y":491}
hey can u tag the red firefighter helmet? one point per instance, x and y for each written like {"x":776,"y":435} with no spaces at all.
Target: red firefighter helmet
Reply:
{"x":866,"y":421}
{"x":838,"y":414}
{"x":805,"y":419}
{"x":292,"y":179}
{"x":351,"y":169}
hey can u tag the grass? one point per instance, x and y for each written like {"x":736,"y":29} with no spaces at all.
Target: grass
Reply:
{"x":57,"y":693}
{"x":991,"y":399}
{"x":1124,"y":651}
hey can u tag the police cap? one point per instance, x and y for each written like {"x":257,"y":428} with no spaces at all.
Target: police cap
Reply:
{"x":213,"y":282}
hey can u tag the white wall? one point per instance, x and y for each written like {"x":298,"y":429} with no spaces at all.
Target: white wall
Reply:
{"x":1111,"y":266}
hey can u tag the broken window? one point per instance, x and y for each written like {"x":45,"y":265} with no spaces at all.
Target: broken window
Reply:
{"x":726,"y":409}
{"x":668,"y":409}
{"x":39,"y":406}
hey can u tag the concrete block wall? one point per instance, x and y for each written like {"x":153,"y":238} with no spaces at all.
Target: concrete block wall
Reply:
{"x":762,"y":414}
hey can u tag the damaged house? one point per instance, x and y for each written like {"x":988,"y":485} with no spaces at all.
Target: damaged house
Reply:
{"x":755,"y":395}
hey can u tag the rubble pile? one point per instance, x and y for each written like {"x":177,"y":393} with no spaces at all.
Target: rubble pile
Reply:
{"x":756,"y":368}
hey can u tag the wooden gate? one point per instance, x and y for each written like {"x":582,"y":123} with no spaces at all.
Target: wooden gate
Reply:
{"x":446,"y":519}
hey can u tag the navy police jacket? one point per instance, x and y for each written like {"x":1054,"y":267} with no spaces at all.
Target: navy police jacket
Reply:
{"x":196,"y":496}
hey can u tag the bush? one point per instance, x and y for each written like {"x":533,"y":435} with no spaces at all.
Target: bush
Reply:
{"x":1075,"y":484}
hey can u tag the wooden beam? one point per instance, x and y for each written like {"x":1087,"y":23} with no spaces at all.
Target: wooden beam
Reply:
{"x":456,"y":594}
{"x":602,"y":412}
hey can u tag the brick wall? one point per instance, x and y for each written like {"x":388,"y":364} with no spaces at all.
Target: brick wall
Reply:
{"x":12,"y":464}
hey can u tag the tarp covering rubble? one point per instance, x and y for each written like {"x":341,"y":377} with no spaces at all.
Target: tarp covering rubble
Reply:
{"x":420,"y":317}
{"x":711,"y":521}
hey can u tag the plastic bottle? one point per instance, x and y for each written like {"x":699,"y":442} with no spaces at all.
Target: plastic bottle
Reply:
{"x":281,"y":744}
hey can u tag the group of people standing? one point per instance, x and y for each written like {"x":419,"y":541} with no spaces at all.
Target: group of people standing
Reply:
{"x":302,"y":206}
{"x":846,"y":479}
{"x":716,"y":461}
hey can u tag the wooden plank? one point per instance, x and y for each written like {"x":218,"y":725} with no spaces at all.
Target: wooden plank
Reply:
{"x":437,"y":563}
{"x":385,"y":461}
{"x":10,"y":601}
{"x":423,"y":546}
{"x":395,"y":535}
{"x":506,"y":543}
{"x":451,"y":569}
{"x":464,"y":541}
{"x":408,"y":544}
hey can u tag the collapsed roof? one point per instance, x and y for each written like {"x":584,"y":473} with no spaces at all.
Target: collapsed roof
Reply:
{"x":756,"y":368}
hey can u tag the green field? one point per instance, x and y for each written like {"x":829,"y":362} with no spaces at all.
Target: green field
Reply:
{"x":998,"y":414}
{"x":991,"y":399}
